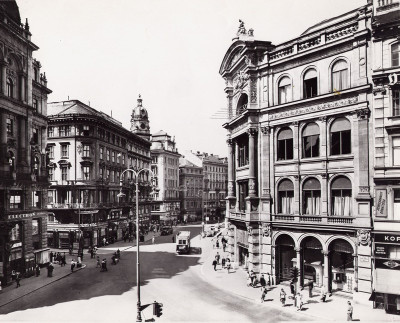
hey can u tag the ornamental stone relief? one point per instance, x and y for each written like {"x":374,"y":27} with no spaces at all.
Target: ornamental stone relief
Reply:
{"x":241,"y":79}
{"x":314,"y":108}
{"x":364,"y":237}
{"x":253,"y":91}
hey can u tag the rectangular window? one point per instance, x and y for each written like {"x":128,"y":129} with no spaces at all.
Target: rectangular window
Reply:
{"x":10,"y":127}
{"x":341,"y":142}
{"x":339,"y":80}
{"x":341,"y":202}
{"x":51,"y":174}
{"x":108,"y":154}
{"x":16,"y":233}
{"x":285,"y":149}
{"x":67,"y":130}
{"x":50,"y":132}
{"x":51,"y":151}
{"x":86,"y":151}
{"x":101,"y":152}
{"x":123,"y":159}
{"x":50,"y":197}
{"x":311,"y":146}
{"x":64,"y":151}
{"x":35,"y":104}
{"x":396,"y":204}
{"x":283,"y":94}
{"x":396,"y":151}
{"x":35,"y":135}
{"x":64,"y":173}
{"x":15,"y":200}
{"x":36,"y":199}
{"x":395,"y":55}
{"x":86,"y":130}
{"x":35,"y":227}
{"x":310,"y":87}
{"x":61,"y":131}
{"x":243,"y":192}
{"x":243,"y":155}
{"x":113,"y":156}
{"x":396,"y":102}
{"x":86,"y":172}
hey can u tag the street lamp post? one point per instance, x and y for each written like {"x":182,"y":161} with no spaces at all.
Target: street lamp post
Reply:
{"x":120,"y":194}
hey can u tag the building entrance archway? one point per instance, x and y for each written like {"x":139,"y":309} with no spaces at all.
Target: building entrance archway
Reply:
{"x":341,"y":268}
{"x":284,"y":256}
{"x":311,"y":262}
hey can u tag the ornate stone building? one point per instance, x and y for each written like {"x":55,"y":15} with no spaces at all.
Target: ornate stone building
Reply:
{"x":300,"y":168}
{"x":88,"y":151}
{"x":165,"y":166}
{"x":386,"y":117}
{"x":23,"y":174}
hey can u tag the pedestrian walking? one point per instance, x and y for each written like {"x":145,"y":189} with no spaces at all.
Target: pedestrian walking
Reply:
{"x":310,"y":288}
{"x":263,"y":293}
{"x":299,"y":302}
{"x":79,"y":262}
{"x":282,"y":297}
{"x":98,"y":264}
{"x":268,"y":280}
{"x":323,"y":294}
{"x":228,"y":264}
{"x":263,"y":282}
{"x":104,"y":265}
{"x":72,"y":265}
{"x":223,"y":246}
{"x":223,"y":262}
{"x":253,"y":278}
{"x":18,"y":279}
{"x":217,"y":244}
{"x":349,"y":311}
{"x":51,"y":256}
{"x":153,"y":239}
{"x":63,"y":261}
{"x":214,"y":263}
{"x":217,"y":257}
{"x":91,"y":253}
{"x":118,"y":254}
{"x":37,"y":270}
{"x":173,"y":239}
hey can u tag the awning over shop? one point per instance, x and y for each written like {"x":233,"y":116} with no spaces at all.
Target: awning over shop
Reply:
{"x":387,"y":281}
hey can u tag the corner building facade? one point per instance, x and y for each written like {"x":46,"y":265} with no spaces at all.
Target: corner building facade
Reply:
{"x":300,"y":171}
{"x":23,"y":171}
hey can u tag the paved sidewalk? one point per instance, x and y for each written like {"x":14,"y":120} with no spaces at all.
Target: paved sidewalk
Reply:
{"x":29,"y":285}
{"x":335,"y":309}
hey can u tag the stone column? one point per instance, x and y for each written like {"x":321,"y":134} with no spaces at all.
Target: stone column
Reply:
{"x":23,"y":139}
{"x":265,"y":162}
{"x":3,"y":137}
{"x":295,"y":128}
{"x":326,"y":270}
{"x":22,"y":93}
{"x":298,"y":265}
{"x":273,"y":265}
{"x":231,"y":175}
{"x":355,"y":265}
{"x":4,"y":77}
{"x":252,"y":162}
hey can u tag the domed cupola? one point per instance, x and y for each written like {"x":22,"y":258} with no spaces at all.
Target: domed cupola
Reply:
{"x":140,"y":120}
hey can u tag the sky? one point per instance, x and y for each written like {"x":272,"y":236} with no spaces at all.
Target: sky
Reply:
{"x":107,"y":52}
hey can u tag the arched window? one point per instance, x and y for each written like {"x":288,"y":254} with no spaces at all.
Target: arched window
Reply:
{"x":340,"y":76}
{"x":341,"y":137}
{"x":310,"y":84}
{"x":311,"y":140}
{"x":285,"y":197}
{"x":312,"y":196}
{"x":242,"y":104}
{"x":284,"y":90}
{"x":341,"y":196}
{"x":396,"y":55}
{"x":10,"y":88}
{"x":285,"y":144}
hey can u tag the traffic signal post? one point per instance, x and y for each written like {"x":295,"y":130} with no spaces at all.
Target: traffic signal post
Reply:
{"x":157,"y":309}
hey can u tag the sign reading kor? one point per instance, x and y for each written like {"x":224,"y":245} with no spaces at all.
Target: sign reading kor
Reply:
{"x":388,"y":238}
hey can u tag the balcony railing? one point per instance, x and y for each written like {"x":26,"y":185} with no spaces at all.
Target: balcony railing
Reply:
{"x":314,"y":219}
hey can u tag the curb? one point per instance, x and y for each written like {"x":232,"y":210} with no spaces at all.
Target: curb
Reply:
{"x":49,"y":283}
{"x":252,"y":299}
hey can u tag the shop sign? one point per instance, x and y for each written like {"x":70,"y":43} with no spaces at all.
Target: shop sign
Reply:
{"x":381,"y":251}
{"x":388,"y":238}
{"x":16,"y":245}
{"x":387,"y":264}
{"x":381,"y":199}
{"x":20,"y":216}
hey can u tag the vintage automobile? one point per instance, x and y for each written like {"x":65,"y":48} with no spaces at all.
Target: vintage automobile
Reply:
{"x":166,"y":230}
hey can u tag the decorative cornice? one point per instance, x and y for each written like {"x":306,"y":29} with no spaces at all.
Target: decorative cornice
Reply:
{"x":314,"y":108}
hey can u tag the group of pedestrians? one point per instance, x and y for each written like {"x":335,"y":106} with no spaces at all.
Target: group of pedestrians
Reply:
{"x":57,"y":257}
{"x":225,"y":262}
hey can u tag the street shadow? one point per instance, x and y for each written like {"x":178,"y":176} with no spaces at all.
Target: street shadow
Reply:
{"x":119,"y":279}
{"x":312,"y":301}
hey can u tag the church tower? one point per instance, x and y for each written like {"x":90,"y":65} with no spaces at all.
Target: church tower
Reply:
{"x":140,"y":120}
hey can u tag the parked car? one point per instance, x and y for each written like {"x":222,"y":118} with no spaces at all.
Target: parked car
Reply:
{"x":166,"y":230}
